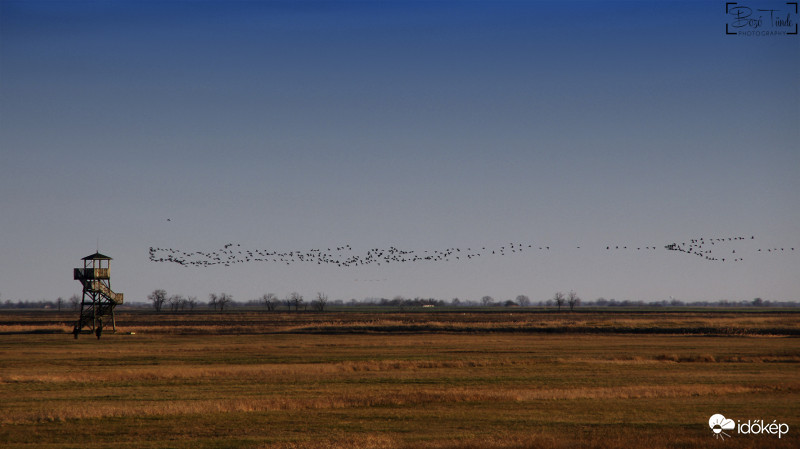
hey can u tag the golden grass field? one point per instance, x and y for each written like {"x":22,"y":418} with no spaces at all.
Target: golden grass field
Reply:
{"x":398,"y":380}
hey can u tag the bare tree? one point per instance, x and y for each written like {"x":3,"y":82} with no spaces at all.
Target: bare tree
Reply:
{"x":270,"y":301}
{"x":176,"y":302}
{"x":296,"y":299}
{"x":59,"y":303}
{"x":523,"y":301}
{"x":191,"y":302}
{"x":486,"y":300}
{"x":223,"y":300}
{"x":400,"y":301}
{"x":213,"y":300}
{"x":288,"y":301}
{"x":75,"y":302}
{"x":320,"y":303}
{"x":558,"y":298}
{"x":573,"y":300}
{"x":158,"y":297}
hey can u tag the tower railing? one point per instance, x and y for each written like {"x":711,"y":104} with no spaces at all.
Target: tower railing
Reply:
{"x":90,"y":273}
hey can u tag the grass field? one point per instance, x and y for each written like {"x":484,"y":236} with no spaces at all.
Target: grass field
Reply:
{"x":377,"y":380}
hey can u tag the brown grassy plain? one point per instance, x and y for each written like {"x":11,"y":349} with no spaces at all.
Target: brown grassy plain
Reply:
{"x":400,"y":380}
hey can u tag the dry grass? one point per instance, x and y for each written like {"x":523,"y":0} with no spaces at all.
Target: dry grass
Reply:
{"x":383,"y":390}
{"x":718,"y":322}
{"x":393,"y":397}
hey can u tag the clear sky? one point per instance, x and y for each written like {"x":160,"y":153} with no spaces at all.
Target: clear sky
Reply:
{"x":425,"y":125}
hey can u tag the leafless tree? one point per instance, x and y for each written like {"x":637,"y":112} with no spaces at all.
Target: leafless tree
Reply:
{"x":191,"y":302}
{"x":288,"y":301}
{"x":296,"y":299}
{"x":320,"y":303}
{"x":400,"y":301}
{"x":213,"y":300}
{"x":270,"y":301}
{"x":59,"y":303}
{"x":75,"y":302}
{"x":558,"y":298}
{"x":523,"y":301}
{"x":487,"y":300}
{"x":172,"y":302}
{"x":158,"y":297}
{"x":176,"y":302}
{"x":573,"y":300}
{"x":223,"y":300}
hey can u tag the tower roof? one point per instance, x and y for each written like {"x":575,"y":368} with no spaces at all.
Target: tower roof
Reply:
{"x":97,"y":256}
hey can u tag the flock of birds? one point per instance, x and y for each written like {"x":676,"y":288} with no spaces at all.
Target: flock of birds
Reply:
{"x":703,"y":248}
{"x":712,"y":249}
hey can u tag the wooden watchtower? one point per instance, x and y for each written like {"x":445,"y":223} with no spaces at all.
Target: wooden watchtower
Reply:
{"x":98,"y":298}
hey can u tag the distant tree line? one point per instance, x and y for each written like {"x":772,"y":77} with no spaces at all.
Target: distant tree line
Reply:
{"x":219,"y":302}
{"x":160,"y":301}
{"x":59,"y":304}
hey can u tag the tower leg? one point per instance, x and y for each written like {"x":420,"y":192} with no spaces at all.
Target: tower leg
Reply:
{"x":94,"y":311}
{"x":79,"y":324}
{"x":80,"y":319}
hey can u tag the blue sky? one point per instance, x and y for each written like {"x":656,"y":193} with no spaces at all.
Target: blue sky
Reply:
{"x":422,"y":125}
